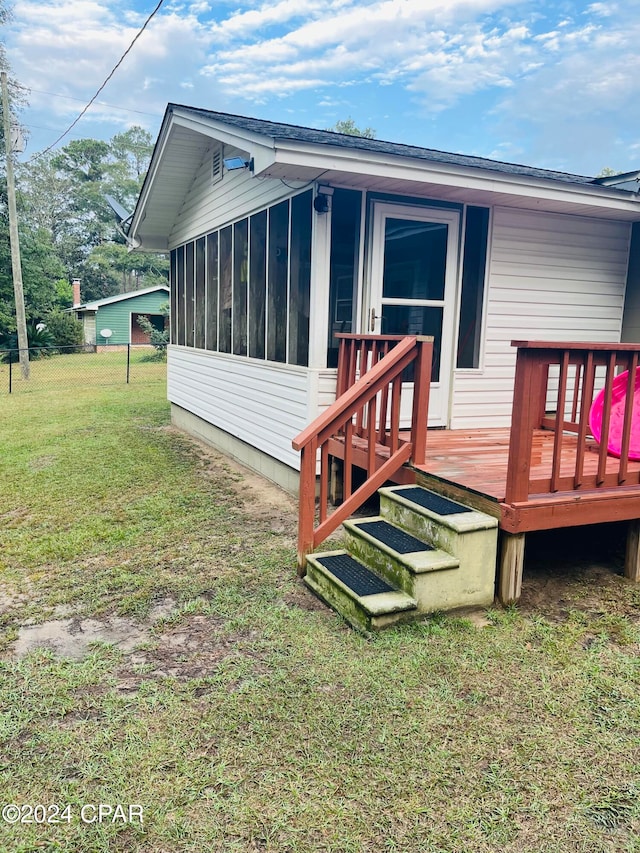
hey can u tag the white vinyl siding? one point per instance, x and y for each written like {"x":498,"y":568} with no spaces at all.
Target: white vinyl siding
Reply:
{"x":265,"y":405}
{"x":551,"y":277}
{"x":209,"y":206}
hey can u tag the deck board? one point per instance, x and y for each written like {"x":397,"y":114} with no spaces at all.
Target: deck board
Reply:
{"x":476,"y":461}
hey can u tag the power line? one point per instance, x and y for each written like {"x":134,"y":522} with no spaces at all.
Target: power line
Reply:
{"x":99,"y":103}
{"x":113,"y":71}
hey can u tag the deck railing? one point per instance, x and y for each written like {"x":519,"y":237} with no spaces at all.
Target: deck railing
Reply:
{"x":555,"y":384}
{"x":367,"y":412}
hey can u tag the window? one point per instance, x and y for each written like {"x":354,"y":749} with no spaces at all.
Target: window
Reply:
{"x":174,"y":296}
{"x":180,"y":295}
{"x":257,"y":283}
{"x":345,"y":243}
{"x":200,"y":302}
{"x":473,"y":276}
{"x":224,"y":305}
{"x":278,"y":270}
{"x":299,"y":280}
{"x":189,"y":294}
{"x":240,"y":270}
{"x":212,"y":292}
{"x":245,"y":288}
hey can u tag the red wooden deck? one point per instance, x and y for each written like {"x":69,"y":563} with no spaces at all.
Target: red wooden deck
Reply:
{"x":544,"y":472}
{"x":473,"y":465}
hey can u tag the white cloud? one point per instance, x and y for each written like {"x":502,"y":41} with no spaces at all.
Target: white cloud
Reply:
{"x":247,"y":24}
{"x":69,"y":48}
{"x":604,"y":10}
{"x":526,"y":72}
{"x":387,"y":41}
{"x":585,"y":101}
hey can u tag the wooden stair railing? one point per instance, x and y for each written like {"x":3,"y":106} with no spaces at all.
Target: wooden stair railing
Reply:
{"x":368,"y":410}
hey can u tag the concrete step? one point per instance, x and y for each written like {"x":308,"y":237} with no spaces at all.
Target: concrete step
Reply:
{"x":468,"y":535}
{"x":366,"y":600}
{"x":399,"y":557}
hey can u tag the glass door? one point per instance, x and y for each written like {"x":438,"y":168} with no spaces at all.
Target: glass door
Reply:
{"x":413,"y":281}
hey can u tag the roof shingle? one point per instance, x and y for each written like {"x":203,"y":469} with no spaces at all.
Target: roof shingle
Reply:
{"x":291,"y":132}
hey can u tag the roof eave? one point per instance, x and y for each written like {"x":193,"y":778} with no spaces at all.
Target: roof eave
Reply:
{"x":156,"y":159}
{"x":359,"y":161}
{"x":260,"y":147}
{"x":120,"y":297}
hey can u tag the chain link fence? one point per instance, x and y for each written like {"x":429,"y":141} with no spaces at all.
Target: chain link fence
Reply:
{"x":72,"y":367}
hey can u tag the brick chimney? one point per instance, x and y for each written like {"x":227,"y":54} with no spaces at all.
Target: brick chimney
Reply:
{"x":76,"y":292}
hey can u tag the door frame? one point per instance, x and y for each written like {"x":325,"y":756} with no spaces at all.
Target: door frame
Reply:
{"x":439,"y":398}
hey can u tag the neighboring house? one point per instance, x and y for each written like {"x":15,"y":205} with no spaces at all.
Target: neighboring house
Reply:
{"x":120,"y":315}
{"x":308,"y":233}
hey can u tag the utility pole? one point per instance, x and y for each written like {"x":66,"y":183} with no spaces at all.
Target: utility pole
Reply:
{"x":21,"y":320}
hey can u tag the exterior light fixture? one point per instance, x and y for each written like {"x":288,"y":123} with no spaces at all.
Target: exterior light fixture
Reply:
{"x":232,"y":164}
{"x":321,"y":201}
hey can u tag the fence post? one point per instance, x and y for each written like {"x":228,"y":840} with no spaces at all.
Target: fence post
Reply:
{"x":10,"y":370}
{"x":128,"y":360}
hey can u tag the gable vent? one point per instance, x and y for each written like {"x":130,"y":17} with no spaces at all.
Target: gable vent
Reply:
{"x":216,"y":165}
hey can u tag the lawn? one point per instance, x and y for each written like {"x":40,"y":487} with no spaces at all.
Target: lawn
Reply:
{"x":72,"y":370}
{"x":186,"y":673}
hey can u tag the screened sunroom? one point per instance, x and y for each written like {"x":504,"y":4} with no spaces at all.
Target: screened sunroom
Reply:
{"x":306,"y":234}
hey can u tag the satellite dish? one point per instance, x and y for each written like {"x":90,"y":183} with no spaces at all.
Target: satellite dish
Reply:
{"x":106,"y":333}
{"x":121,"y":213}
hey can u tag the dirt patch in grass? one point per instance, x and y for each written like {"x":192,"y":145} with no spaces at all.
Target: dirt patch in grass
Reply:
{"x":73,"y":638}
{"x":194,"y":649}
{"x":271,"y":508}
{"x":302,"y":597}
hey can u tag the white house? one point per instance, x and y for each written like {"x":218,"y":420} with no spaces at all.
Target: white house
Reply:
{"x":281,"y":236}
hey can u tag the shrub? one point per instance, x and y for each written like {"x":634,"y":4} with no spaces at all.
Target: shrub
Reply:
{"x":40,"y":342}
{"x":65,"y":330}
{"x":158,"y":339}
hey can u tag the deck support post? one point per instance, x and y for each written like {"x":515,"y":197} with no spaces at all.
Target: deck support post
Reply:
{"x":335,"y":486}
{"x":511,"y":565}
{"x":632,"y":555}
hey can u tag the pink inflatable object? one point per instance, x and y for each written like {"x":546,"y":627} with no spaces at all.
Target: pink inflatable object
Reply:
{"x":616,"y":423}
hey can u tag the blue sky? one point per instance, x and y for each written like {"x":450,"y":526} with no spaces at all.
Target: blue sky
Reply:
{"x":551,"y":84}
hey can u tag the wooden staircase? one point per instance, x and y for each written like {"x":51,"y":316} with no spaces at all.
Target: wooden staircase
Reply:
{"x":423,"y":553}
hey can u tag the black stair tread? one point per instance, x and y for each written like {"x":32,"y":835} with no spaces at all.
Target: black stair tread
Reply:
{"x":401,"y":542}
{"x":431,"y":501}
{"x":353,"y":574}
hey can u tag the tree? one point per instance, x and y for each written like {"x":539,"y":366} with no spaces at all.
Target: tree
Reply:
{"x":131,"y":153}
{"x":82,"y":166}
{"x":349,"y":127}
{"x":111,"y":268}
{"x":64,"y":195}
{"x":41,"y":270}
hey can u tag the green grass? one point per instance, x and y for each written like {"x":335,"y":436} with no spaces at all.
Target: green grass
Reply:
{"x":252,"y":719}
